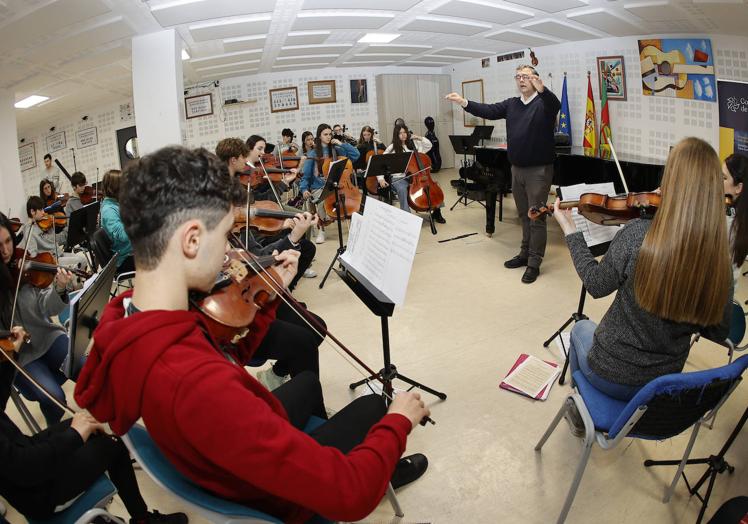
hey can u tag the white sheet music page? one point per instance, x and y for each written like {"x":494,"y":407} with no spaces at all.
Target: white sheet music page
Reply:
{"x":382,"y":245}
{"x":594,"y":234}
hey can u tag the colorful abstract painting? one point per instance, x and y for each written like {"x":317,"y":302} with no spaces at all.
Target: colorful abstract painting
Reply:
{"x":678,"y":68}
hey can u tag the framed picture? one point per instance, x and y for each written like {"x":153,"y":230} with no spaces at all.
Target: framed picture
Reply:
{"x":472,"y":90}
{"x":87,"y":137}
{"x":321,"y":91}
{"x":611,"y":69}
{"x":678,"y":68}
{"x":359,"y":94}
{"x":56,"y":141}
{"x":198,"y":105}
{"x":485,"y":62}
{"x":284,"y":99}
{"x":27,"y":156}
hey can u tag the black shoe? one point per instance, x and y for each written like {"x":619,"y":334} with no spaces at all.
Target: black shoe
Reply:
{"x":531,"y":275}
{"x":437,"y":214}
{"x":516,"y":262}
{"x":154,"y":517}
{"x":409,"y":468}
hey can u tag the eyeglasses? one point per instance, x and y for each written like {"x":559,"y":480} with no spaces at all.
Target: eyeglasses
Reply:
{"x":521,"y":77}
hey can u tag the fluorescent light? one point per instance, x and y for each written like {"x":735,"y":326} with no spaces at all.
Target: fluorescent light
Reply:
{"x":31,"y":101}
{"x":185,"y":55}
{"x":378,"y":38}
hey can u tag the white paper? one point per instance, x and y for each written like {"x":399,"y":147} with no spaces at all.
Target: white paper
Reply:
{"x":594,"y":234}
{"x":531,"y":376}
{"x":563,"y":343}
{"x":382,"y":245}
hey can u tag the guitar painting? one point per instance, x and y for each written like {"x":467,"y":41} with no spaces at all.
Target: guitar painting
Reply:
{"x":680,"y":68}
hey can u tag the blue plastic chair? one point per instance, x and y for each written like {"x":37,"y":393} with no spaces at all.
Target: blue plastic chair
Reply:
{"x":734,"y":336}
{"x":85,"y":508}
{"x":662,"y":409}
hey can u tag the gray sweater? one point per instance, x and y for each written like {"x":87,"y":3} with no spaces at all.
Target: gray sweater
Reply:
{"x":631,"y":346}
{"x":34,"y":309}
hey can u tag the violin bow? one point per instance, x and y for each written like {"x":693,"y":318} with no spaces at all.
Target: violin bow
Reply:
{"x":270,"y":182}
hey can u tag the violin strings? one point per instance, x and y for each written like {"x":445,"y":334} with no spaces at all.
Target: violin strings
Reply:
{"x":270,"y":182}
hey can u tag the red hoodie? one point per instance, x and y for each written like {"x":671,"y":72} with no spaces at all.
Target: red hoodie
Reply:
{"x":219,"y":426}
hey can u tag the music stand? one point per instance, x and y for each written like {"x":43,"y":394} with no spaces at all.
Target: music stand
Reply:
{"x":85,"y":311}
{"x":332,"y":186}
{"x":81,"y":226}
{"x":482,"y":133}
{"x":464,"y":145}
{"x":387,"y":165}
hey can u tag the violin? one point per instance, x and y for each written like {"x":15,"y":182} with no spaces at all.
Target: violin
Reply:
{"x":350,"y":196}
{"x":533,"y":58}
{"x":7,"y":342}
{"x":287,"y":160}
{"x":238,"y":294}
{"x":606,"y":210}
{"x":54,"y":207}
{"x":265,"y":216}
{"x":255,"y":176}
{"x":372,"y":185}
{"x":15,"y":224}
{"x":423,"y":194}
{"x":40,"y":271}
{"x":89,"y":193}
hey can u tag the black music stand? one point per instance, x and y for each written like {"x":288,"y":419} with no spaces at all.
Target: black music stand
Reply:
{"x":575,"y":317}
{"x":387,"y":165}
{"x":464,"y":145}
{"x":482,"y":133}
{"x":378,"y":304}
{"x":85,"y":311}
{"x":81,"y":226}
{"x":332,"y":186}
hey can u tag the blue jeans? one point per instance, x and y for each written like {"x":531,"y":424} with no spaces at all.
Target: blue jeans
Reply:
{"x":581,"y":343}
{"x":46,"y":371}
{"x":401,"y":187}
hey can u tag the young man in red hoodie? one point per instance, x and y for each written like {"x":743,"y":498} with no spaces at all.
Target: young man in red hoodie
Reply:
{"x":152,"y":358}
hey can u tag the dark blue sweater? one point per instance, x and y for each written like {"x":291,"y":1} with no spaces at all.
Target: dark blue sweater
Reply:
{"x":529,"y":128}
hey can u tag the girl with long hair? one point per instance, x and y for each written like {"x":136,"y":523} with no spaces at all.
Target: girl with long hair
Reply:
{"x":735,"y":176}
{"x":672,"y":277}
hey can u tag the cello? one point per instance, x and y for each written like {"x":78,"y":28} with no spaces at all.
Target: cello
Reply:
{"x":372,"y":185}
{"x":350,"y":196}
{"x":423,"y":194}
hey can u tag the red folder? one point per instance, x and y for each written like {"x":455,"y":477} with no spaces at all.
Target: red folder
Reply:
{"x":543,"y":392}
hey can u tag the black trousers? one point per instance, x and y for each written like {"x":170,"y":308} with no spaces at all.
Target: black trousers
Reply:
{"x":306,"y":249}
{"x":302,"y":398}
{"x":291,"y":342}
{"x":76,"y":473}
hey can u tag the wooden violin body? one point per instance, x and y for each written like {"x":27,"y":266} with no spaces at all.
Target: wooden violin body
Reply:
{"x":40,"y":271}
{"x":423,"y":194}
{"x":349,"y":193}
{"x":607,"y":210}
{"x":265,"y":216}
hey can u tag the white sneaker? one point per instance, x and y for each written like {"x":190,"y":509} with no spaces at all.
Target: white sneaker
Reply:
{"x":320,"y":237}
{"x":309,"y":273}
{"x":270,"y":380}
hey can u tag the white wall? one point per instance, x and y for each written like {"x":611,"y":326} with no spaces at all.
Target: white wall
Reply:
{"x":643,"y":125}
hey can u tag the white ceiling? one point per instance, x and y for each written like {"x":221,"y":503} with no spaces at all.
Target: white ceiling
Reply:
{"x":77,"y":52}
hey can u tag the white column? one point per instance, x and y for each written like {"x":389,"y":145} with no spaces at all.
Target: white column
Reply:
{"x":158,"y":89}
{"x":12,"y":196}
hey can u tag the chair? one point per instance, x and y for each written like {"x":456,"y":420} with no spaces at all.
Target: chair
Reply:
{"x":734,"y":336}
{"x":662,"y":409}
{"x":101,"y":247}
{"x":86,"y":507}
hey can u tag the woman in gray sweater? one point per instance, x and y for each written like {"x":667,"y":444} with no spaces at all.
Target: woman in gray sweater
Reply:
{"x":671,"y":273}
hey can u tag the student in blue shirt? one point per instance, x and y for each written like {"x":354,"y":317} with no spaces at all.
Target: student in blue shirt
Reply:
{"x":313,"y":181}
{"x":112,"y":223}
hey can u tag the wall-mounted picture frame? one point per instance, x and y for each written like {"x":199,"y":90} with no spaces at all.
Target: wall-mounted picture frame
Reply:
{"x":198,"y":105}
{"x":27,"y":156}
{"x":485,"y":62}
{"x":359,"y":92}
{"x":56,"y":141}
{"x":321,"y":92}
{"x":472,"y":90}
{"x":612,"y":70}
{"x":87,"y":137}
{"x":284,"y":99}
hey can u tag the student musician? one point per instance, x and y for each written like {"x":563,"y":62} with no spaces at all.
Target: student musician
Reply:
{"x":366,"y":143}
{"x":735,"y":176}
{"x":48,"y":346}
{"x":112,"y":223}
{"x":51,"y":172}
{"x":47,"y":191}
{"x":264,"y":191}
{"x":212,"y":420}
{"x":307,"y":142}
{"x":78,"y":180}
{"x":672,"y":277}
{"x":313,"y":181}
{"x":403,"y":141}
{"x":287,"y":143}
{"x":530,"y":121}
{"x":339,"y":133}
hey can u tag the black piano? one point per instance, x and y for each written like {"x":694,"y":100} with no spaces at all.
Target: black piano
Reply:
{"x":492,"y":171}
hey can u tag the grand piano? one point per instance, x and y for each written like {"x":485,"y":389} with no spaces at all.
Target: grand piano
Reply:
{"x":492,"y":171}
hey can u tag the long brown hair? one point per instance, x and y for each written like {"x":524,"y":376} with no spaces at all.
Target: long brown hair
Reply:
{"x":361,"y":141}
{"x":397,"y":144}
{"x":737,"y":166}
{"x":683,"y":271}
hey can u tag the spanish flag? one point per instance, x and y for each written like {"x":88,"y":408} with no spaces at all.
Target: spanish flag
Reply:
{"x":589,"y":142}
{"x":605,"y":133}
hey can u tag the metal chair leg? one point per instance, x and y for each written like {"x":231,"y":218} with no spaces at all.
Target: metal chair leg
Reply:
{"x":394,"y":502}
{"x":588,"y":441}
{"x":553,"y":424}
{"x":669,"y":491}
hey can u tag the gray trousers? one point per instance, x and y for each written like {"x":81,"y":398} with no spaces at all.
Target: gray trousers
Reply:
{"x":530,"y":187}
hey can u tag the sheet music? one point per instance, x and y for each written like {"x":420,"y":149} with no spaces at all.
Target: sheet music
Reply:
{"x":382,"y":245}
{"x":594,"y":234}
{"x":531,"y":376}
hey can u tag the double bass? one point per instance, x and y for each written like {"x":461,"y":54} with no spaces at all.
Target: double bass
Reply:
{"x":350,"y":196}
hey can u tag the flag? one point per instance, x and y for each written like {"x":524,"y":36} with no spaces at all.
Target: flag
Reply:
{"x":589,"y":142}
{"x":605,"y":133}
{"x":564,"y":119}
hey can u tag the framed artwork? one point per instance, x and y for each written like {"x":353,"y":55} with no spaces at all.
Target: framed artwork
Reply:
{"x":56,"y":141}
{"x":485,"y":62}
{"x":678,"y":68}
{"x":611,"y":69}
{"x":321,"y":91}
{"x":284,"y":99}
{"x":359,"y":94}
{"x":472,"y":90}
{"x":198,"y":105}
{"x":27,"y":156}
{"x":87,"y":137}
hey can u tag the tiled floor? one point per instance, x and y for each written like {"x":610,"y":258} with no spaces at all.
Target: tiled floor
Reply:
{"x":465,"y":320}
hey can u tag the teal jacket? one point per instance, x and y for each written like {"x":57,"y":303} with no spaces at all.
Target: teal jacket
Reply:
{"x":115,"y":229}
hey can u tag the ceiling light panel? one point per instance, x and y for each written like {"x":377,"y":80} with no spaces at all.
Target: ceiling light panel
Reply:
{"x":482,"y":11}
{"x":227,"y":58}
{"x":231,"y":29}
{"x":606,"y":21}
{"x":559,"y":30}
{"x":30,"y":101}
{"x":346,"y":19}
{"x":180,"y":12}
{"x":654,"y":11}
{"x":245,"y":44}
{"x":439,"y":25}
{"x":520,"y":37}
{"x":307,"y":37}
{"x":390,"y":5}
{"x":550,"y":6}
{"x":378,"y":38}
{"x":314,"y":50}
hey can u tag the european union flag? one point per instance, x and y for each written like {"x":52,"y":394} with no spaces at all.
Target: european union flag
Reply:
{"x":564,"y":119}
